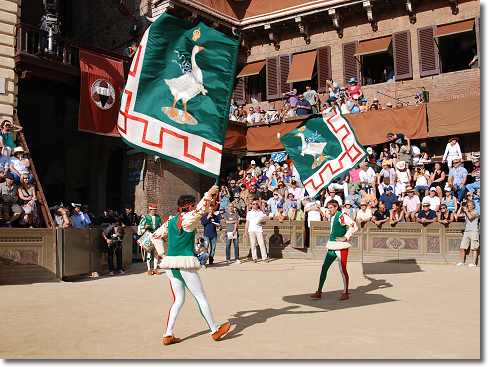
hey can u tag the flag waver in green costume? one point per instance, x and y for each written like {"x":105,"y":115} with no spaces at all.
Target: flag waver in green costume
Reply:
{"x":181,"y":264}
{"x":150,"y":223}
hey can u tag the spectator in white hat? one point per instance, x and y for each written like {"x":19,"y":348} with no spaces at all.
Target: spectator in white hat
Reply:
{"x":19,"y":165}
{"x":432,"y":199}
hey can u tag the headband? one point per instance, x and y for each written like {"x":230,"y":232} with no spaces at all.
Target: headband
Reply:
{"x":333,"y":204}
{"x":185,"y":206}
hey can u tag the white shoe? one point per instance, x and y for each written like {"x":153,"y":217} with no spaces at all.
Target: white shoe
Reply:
{"x":111,"y":273}
{"x":204,"y":267}
{"x":472,"y":265}
{"x":238,"y":261}
{"x":460,"y":264}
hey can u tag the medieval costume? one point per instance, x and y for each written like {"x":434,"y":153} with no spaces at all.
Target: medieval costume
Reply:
{"x":155,"y":222}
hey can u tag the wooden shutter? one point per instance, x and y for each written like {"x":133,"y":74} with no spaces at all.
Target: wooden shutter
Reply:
{"x":428,"y":55}
{"x":324,"y":69}
{"x":402,"y":55}
{"x":272,"y":78}
{"x":285,"y":63}
{"x":478,"y":38}
{"x":349,"y":63}
{"x":239,"y":94}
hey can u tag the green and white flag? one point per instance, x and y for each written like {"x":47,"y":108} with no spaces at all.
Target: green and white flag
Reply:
{"x":322,"y":148}
{"x":176,"y":100}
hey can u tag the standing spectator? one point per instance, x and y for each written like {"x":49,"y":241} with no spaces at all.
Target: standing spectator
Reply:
{"x":437,"y":179}
{"x":19,"y":165}
{"x":452,"y":152}
{"x":332,"y":196}
{"x":367,"y":177}
{"x":354,"y":198}
{"x":297,"y":193}
{"x":364,"y":214}
{"x":234,"y":189}
{"x":130,"y":50}
{"x":388,"y":74}
{"x":476,"y":174}
{"x":313,"y":210}
{"x":426,"y":215}
{"x":388,"y":198}
{"x":312,"y":97}
{"x":457,"y":178}
{"x":108,"y":218}
{"x":80,"y":220}
{"x":381,"y":215}
{"x":28,"y":198}
{"x":254,"y":95}
{"x":150,"y":223}
{"x":210,"y":224}
{"x":368,"y":198}
{"x":290,"y":200}
{"x":233,"y":107}
{"x":231,"y":219}
{"x":364,"y":105}
{"x":295,"y":214}
{"x":354,"y":179}
{"x":396,"y":213}
{"x":386,"y":177}
{"x":273,"y":202}
{"x":255,"y":218}
{"x":302,"y":107}
{"x":354,"y":89}
{"x":113,"y":235}
{"x":421,"y":177}
{"x":418,"y":100}
{"x":471,"y":234}
{"x":402,"y":144}
{"x":403,"y":179}
{"x":385,"y":154}
{"x":450,"y":201}
{"x":201,"y":252}
{"x":349,"y":210}
{"x":61,"y":216}
{"x":10,"y":196}
{"x":473,"y":64}
{"x":433,"y":199}
{"x":6,"y":138}
{"x":293,"y":96}
{"x":264,"y":197}
{"x":239,"y":205}
{"x":224,"y":197}
{"x":352,"y":105}
{"x":281,"y":214}
{"x":445,"y":216}
{"x":411,"y":205}
{"x":334,"y":91}
{"x":128,"y":218}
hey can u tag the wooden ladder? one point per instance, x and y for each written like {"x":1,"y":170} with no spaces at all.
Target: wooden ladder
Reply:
{"x":41,"y":199}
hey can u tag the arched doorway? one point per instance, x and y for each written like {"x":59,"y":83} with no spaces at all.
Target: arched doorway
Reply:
{"x":114,"y":178}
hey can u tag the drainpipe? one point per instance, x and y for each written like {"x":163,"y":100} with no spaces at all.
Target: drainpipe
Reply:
{"x":89,"y":22}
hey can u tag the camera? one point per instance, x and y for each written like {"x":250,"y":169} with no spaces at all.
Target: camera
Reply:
{"x":115,"y":242}
{"x":419,"y":169}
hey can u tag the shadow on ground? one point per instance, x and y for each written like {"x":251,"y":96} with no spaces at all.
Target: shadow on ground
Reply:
{"x":392,"y":267}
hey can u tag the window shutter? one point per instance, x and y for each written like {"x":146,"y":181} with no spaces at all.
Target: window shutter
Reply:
{"x":272,"y":78}
{"x":349,"y":62}
{"x":285,"y":63}
{"x":478,"y":38}
{"x":324,"y":70}
{"x":428,"y":55}
{"x":402,"y":55}
{"x":239,"y":94}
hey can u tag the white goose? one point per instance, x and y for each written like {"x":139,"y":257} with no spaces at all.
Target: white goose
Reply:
{"x":312,"y":148}
{"x":188,"y":85}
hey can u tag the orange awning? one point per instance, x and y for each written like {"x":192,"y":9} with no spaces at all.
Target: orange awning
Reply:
{"x":302,"y":67}
{"x":454,"y":28}
{"x":374,"y":46}
{"x":252,"y":69}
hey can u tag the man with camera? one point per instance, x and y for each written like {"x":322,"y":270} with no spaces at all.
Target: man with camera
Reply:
{"x":113,"y":236}
{"x":471,"y":237}
{"x":421,"y":177}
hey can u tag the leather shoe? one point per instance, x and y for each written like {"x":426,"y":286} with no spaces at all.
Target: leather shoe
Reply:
{"x":149,"y":272}
{"x":167,"y":340}
{"x":344,"y":296}
{"x":221,"y":332}
{"x":317,"y":295}
{"x":156,"y":272}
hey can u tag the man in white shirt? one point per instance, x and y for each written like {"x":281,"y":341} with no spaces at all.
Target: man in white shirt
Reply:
{"x":433,"y":199}
{"x":313,"y":209}
{"x":367,"y":177}
{"x":332,"y":196}
{"x":255,"y":218}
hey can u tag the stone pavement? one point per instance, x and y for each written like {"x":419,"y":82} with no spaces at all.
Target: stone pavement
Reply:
{"x":396,"y":310}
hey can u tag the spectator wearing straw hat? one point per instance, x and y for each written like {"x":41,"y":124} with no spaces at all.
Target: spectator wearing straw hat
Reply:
{"x":426,"y":215}
{"x":411,"y":205}
{"x":364,"y":214}
{"x":349,"y":210}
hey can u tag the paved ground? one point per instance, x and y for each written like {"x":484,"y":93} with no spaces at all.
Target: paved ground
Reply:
{"x":396,"y":310}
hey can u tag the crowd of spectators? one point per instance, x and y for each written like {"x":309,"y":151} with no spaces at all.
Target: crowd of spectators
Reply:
{"x":351,"y":100}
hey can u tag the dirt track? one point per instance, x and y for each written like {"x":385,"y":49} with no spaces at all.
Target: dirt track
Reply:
{"x":396,"y":310}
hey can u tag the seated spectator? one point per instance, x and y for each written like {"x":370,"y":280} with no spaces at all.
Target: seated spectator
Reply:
{"x":421,"y":177}
{"x":295,"y":214}
{"x":473,"y":64}
{"x":385,"y":154}
{"x":61,"y":216}
{"x":262,"y":117}
{"x":260,"y":182}
{"x":220,"y":216}
{"x":201,"y":252}
{"x":476,"y":174}
{"x":243,"y":117}
{"x":9,"y":194}
{"x":286,"y":176}
{"x":280,"y":214}
{"x":386,"y":177}
{"x":281,"y":190}
{"x":240,"y":205}
{"x":354,"y":179}
{"x":6,"y":139}
{"x":272,"y":115}
{"x":388,"y":74}
{"x":254,"y":193}
{"x":302,"y":107}
{"x":369,"y":77}
{"x":411,"y":205}
{"x":130,"y":50}
{"x":19,"y":165}
{"x":452,"y":152}
{"x":457,"y":179}
{"x":433,"y":199}
{"x":349,"y":210}
{"x":253,"y":116}
{"x":354,"y":89}
{"x":296,"y":191}
{"x":402,"y":146}
{"x":364,"y":214}
{"x":293,"y":97}
{"x":28,"y":200}
{"x":402,"y":178}
{"x":341,"y":183}
{"x":312,"y":97}
{"x":273,"y":202}
{"x":354,"y":198}
{"x":352,"y":105}
{"x":288,"y":111}
{"x":450,"y":201}
{"x":389,"y":105}
{"x":313,"y":210}
{"x":267,"y":212}
{"x":438,"y":178}
{"x":240,"y":174}
{"x":370,"y":199}
{"x":233,"y":107}
{"x":343,"y":103}
{"x":418,"y":100}
{"x":399,"y":104}
{"x":445,"y":216}
{"x":80,"y":219}
{"x":289,"y":200}
{"x":332,"y":196}
{"x":396,"y":213}
{"x":373,"y":107}
{"x":4,"y":166}
{"x":375,"y":104}
{"x":381,"y":215}
{"x":367,"y":177}
{"x":388,"y":198}
{"x":108,"y":218}
{"x":333,"y":90}
{"x":234,"y":116}
{"x":364,"y":105}
{"x":476,"y":200}
{"x":264,"y":196}
{"x":371,"y":160}
{"x":426,"y":215}
{"x":254,"y":95}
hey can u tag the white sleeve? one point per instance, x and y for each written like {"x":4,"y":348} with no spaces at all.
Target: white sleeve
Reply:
{"x":161,"y":232}
{"x":346,"y":219}
{"x":191,"y":219}
{"x":446,"y":152}
{"x":458,"y":150}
